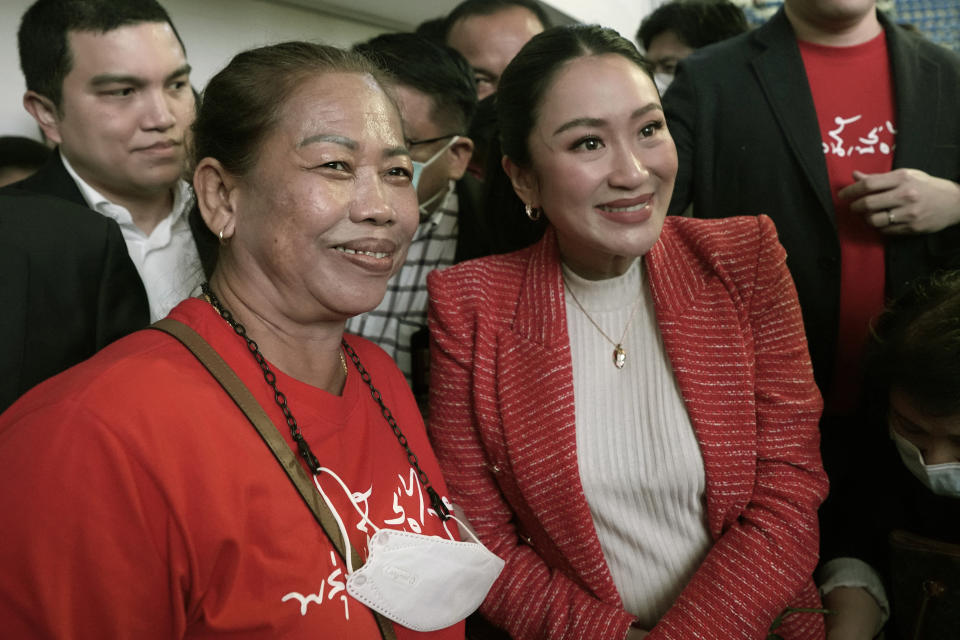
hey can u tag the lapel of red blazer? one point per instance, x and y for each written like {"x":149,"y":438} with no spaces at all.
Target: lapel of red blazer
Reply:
{"x":535,"y":389}
{"x":702,"y":335}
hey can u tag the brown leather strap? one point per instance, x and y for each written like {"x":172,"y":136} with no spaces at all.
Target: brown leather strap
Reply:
{"x":232,"y":384}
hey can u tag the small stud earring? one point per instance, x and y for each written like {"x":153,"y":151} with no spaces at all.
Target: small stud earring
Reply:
{"x":532,"y":212}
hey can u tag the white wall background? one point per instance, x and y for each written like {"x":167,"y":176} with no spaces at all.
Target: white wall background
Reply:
{"x":212,"y":30}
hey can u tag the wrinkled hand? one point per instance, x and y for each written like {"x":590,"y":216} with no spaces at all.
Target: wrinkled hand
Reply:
{"x":635,"y":634}
{"x":904,"y":201}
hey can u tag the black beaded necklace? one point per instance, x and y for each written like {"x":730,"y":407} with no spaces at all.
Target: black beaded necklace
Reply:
{"x":302,"y":446}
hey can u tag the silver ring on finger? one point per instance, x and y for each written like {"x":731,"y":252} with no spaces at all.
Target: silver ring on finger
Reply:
{"x":890,"y":219}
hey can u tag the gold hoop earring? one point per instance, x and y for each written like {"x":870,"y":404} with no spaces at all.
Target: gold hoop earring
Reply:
{"x":220,"y":235}
{"x":532,"y":212}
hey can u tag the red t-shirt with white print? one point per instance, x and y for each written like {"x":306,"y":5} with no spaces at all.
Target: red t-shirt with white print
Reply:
{"x":853,"y":94}
{"x":139,"y":502}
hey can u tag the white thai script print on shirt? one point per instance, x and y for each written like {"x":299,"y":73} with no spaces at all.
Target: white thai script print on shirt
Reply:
{"x":855,"y":136}
{"x":411,"y":512}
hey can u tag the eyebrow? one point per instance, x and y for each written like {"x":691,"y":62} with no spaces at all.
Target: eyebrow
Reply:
{"x":329,"y":137}
{"x":393,"y":152}
{"x":599,"y":122}
{"x":343,"y":141}
{"x":137,"y":81}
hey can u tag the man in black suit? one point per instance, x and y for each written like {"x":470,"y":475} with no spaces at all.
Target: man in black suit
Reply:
{"x":843,"y":128}
{"x":108,"y":82}
{"x":749,"y":141}
{"x":68,"y":288}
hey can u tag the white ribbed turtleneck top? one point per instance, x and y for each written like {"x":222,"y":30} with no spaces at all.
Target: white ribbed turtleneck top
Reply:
{"x":640,"y":465}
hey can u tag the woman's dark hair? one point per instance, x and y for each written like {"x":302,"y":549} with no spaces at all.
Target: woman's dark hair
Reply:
{"x":520,"y":93}
{"x":915,"y":347}
{"x":242,"y":104}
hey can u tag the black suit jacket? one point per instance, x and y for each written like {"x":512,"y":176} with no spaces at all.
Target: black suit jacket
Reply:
{"x":743,"y":118}
{"x":68,"y":288}
{"x":52,"y":179}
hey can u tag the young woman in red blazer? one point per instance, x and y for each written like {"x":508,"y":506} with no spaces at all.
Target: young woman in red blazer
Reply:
{"x":625,"y":411}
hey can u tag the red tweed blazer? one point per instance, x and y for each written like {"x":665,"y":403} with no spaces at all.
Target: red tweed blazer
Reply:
{"x":502,"y":423}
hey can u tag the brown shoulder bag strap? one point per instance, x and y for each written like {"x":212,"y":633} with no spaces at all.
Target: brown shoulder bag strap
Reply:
{"x":271,"y":436}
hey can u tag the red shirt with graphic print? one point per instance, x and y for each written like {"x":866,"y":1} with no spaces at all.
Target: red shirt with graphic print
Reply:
{"x":139,"y":502}
{"x":853,"y":94}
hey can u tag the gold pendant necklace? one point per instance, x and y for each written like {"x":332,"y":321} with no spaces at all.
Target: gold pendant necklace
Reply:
{"x":619,"y":353}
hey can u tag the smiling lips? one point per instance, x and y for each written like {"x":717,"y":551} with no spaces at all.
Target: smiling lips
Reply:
{"x":628,"y":210}
{"x":371,"y":254}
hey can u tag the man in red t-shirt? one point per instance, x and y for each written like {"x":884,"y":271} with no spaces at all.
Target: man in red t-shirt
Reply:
{"x":842,"y":128}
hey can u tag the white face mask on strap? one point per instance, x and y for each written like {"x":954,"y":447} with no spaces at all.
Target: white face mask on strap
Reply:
{"x":442,"y":193}
{"x":942,"y":479}
{"x":424,"y":583}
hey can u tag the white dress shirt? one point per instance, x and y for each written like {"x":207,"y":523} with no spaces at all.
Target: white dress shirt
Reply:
{"x":166,"y":259}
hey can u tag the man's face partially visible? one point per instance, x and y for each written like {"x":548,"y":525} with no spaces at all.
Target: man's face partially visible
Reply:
{"x":490,"y":42}
{"x":831,"y":15}
{"x":416,"y":110}
{"x":125,"y":109}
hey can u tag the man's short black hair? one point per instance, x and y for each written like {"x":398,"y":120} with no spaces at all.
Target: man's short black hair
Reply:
{"x":433,"y":69}
{"x":696,"y":22}
{"x":469,"y":8}
{"x":433,"y":29}
{"x":45,"y":56}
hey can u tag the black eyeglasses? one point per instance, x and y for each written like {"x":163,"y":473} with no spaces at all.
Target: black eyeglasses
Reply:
{"x":413,"y":143}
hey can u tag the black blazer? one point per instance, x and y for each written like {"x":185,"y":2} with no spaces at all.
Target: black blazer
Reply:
{"x":743,"y":118}
{"x":68,"y":288}
{"x":52,"y":179}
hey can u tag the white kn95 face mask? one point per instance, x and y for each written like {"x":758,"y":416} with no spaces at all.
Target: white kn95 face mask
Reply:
{"x":424,"y":583}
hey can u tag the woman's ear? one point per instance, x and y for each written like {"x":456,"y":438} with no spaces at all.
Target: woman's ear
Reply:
{"x":524,"y":182}
{"x":215,"y":189}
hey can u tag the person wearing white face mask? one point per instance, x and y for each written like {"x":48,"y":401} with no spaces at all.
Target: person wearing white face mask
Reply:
{"x":428,"y":203}
{"x":909,"y":470}
{"x":433,"y":88}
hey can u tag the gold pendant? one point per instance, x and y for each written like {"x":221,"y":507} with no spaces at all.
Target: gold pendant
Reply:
{"x":619,"y":357}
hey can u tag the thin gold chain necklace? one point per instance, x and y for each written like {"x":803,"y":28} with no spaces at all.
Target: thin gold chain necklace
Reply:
{"x":619,"y":353}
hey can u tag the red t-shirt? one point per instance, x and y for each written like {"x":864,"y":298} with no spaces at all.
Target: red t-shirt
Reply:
{"x":853,"y":96}
{"x":139,"y":502}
